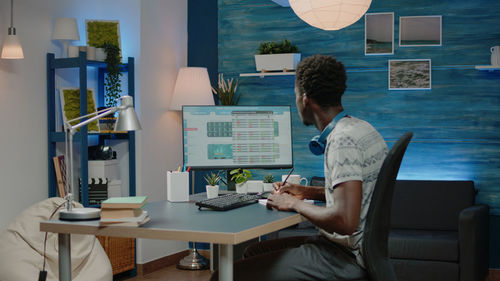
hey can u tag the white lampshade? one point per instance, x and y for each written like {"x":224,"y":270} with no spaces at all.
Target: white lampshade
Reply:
{"x":330,"y":14}
{"x":11,"y":48}
{"x":65,"y":29}
{"x":192,"y":87}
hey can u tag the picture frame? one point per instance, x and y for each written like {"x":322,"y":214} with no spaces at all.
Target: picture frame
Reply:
{"x":417,"y":31}
{"x":379,"y":33}
{"x":70,"y":106}
{"x":412,"y":74}
{"x":100,"y":31}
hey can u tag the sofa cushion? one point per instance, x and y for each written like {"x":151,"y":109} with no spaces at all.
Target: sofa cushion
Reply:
{"x":431,"y":205}
{"x":414,"y":270}
{"x":423,"y":245}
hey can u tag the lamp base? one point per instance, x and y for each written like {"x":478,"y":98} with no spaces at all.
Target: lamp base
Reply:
{"x":194,"y":261}
{"x":80,"y":214}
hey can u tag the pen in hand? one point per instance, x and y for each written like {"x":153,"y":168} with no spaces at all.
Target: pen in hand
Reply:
{"x":284,"y":182}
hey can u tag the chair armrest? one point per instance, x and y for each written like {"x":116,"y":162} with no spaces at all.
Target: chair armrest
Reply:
{"x":474,"y":236}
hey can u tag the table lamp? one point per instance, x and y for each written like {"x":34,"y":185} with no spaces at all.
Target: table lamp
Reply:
{"x":127,"y":121}
{"x":65,"y":29}
{"x":11,"y":48}
{"x":192,"y":87}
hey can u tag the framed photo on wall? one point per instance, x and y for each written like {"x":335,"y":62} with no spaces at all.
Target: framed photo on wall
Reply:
{"x":70,"y":105}
{"x":412,"y":74}
{"x":379,"y":34}
{"x":420,"y":31}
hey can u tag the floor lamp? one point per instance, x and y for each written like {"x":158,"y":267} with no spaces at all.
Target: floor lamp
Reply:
{"x":192,"y":87}
{"x":127,"y":121}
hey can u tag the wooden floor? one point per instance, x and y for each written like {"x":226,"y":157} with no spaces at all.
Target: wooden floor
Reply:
{"x":171,"y":273}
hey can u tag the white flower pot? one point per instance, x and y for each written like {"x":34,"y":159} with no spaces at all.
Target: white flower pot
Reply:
{"x":268,"y":187}
{"x":212,"y":191}
{"x":241,"y":187}
{"x":277,"y":62}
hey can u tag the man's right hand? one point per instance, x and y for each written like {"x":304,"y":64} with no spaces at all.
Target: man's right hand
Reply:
{"x":295,"y":190}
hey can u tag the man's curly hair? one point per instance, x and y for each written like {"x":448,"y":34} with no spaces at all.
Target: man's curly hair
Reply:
{"x":321,"y":78}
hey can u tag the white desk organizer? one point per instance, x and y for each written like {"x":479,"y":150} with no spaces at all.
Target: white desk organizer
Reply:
{"x":177,"y":186}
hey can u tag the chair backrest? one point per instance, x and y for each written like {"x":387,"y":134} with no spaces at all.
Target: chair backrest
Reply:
{"x":378,"y":218}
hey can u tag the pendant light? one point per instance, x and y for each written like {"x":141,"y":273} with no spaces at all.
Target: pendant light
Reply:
{"x":330,"y":14}
{"x":11,"y":48}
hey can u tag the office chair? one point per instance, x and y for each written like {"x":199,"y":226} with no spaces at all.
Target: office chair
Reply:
{"x":378,"y":218}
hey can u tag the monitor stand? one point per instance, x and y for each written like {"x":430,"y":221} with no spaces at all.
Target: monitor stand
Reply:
{"x":231,"y":185}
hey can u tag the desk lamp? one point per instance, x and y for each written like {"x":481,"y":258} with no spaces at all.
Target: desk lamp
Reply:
{"x":65,"y":30}
{"x":11,"y":48}
{"x":127,"y":121}
{"x":192,"y":87}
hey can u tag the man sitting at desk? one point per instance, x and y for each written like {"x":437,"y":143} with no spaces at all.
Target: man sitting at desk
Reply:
{"x":353,"y":156}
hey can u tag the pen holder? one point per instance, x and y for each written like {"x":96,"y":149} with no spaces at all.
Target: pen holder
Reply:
{"x":177,"y":186}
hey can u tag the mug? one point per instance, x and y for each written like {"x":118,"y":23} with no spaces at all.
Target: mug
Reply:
{"x":495,"y":55}
{"x":296,"y":179}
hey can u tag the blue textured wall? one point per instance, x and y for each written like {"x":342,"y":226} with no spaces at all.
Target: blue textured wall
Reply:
{"x":456,"y":124}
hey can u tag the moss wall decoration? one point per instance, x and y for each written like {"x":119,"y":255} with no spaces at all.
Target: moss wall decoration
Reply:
{"x":100,"y":32}
{"x":70,"y":104}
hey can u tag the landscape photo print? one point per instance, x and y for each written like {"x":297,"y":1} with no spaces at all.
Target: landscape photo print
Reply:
{"x":410,"y":74}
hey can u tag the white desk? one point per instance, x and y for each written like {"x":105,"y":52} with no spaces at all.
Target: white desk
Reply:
{"x":182,"y":222}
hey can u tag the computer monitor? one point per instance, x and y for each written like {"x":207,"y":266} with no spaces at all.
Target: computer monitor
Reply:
{"x":228,"y":137}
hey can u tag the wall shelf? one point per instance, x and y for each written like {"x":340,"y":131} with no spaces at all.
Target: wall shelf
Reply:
{"x":262,"y":74}
{"x":282,"y":3}
{"x":488,"y":67}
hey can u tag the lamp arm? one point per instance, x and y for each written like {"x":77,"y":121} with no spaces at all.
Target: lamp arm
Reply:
{"x":100,"y":114}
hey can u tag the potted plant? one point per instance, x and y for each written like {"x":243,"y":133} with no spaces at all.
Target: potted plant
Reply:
{"x":277,"y":56}
{"x":240,"y":177}
{"x":268,"y":182}
{"x":212,"y":184}
{"x":112,"y":84}
{"x":226,"y":91}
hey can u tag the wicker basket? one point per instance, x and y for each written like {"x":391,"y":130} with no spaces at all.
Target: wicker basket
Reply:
{"x":120,"y":251}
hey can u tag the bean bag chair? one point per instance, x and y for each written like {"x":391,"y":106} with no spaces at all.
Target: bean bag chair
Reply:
{"x":21,"y":249}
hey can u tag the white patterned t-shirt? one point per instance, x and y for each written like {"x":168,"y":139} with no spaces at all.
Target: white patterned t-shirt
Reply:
{"x":354,"y":152}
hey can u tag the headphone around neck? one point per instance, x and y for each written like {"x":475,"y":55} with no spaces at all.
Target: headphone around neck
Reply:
{"x":318,"y":143}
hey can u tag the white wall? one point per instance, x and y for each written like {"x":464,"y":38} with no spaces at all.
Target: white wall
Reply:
{"x":159,"y":145}
{"x":161,"y":26}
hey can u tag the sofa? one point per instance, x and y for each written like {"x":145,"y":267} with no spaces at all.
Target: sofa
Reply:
{"x":437,"y":232}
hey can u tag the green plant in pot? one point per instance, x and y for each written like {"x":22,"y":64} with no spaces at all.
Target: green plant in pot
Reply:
{"x":240,"y":177}
{"x":226,"y":91}
{"x":112,"y":83}
{"x":212,"y":186}
{"x":277,"y":56}
{"x":268,"y":182}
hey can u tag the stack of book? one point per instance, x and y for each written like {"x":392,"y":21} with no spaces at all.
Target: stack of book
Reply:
{"x":124,"y":211}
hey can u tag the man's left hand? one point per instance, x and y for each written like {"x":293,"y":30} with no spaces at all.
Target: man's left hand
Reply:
{"x":282,"y":202}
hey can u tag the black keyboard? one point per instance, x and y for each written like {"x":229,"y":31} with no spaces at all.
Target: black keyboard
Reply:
{"x":228,"y":201}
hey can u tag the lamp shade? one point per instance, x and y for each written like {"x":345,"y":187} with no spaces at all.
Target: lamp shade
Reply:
{"x":330,"y":14}
{"x":65,"y":29}
{"x":11,"y":48}
{"x":192,"y":87}
{"x":127,"y":118}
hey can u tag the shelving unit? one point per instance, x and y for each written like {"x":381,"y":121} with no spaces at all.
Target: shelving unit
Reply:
{"x":54,"y":136}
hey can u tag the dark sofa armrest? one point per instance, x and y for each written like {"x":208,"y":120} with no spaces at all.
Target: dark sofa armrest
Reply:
{"x":474,"y":235}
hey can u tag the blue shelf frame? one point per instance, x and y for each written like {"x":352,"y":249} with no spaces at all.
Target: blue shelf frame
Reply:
{"x":54,"y":137}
